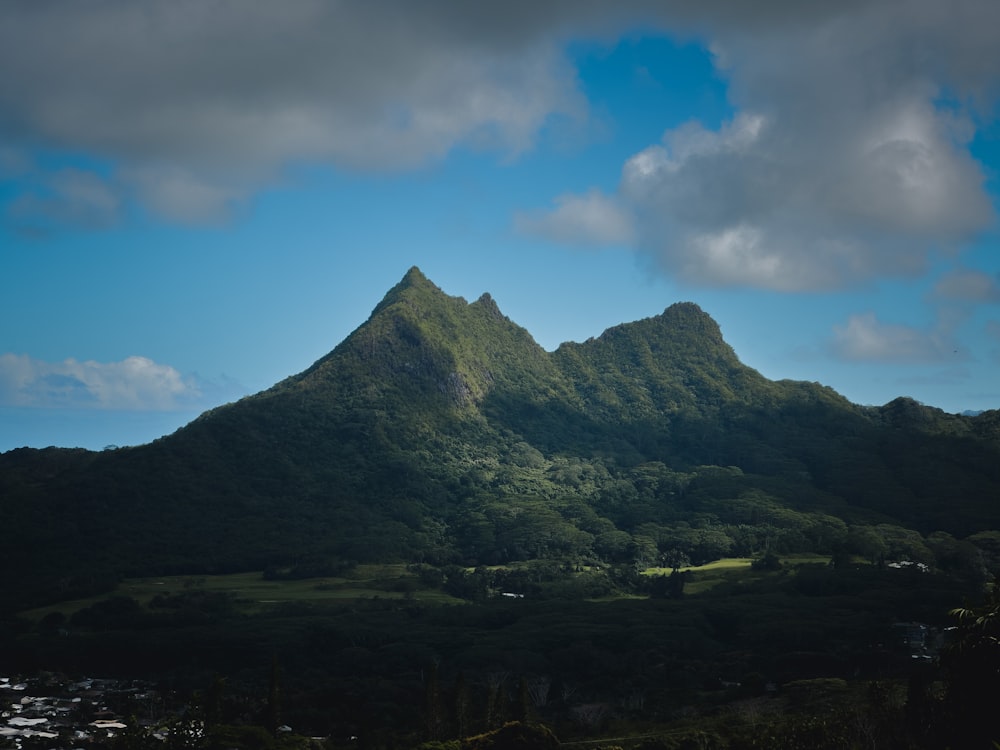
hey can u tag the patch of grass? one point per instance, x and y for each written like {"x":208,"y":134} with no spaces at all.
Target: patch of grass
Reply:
{"x":702,"y":578}
{"x":253,"y":593}
{"x":726,"y":563}
{"x":740,"y":563}
{"x":807,"y":559}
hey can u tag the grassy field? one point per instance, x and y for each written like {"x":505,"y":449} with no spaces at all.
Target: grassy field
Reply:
{"x":253,"y":594}
{"x":704,"y":577}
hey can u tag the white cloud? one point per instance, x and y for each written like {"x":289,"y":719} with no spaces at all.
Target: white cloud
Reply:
{"x":589,"y":219}
{"x":135,"y":383}
{"x":866,"y":339}
{"x":969,"y":286}
{"x":771,"y":203}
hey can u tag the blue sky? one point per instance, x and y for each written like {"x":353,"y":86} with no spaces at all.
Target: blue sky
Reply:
{"x":198,"y":199}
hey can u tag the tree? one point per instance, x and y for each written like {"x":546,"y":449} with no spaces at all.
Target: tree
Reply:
{"x":513,"y":735}
{"x":864,"y":540}
{"x":522,"y":705}
{"x":461,"y":706}
{"x":668,"y":587}
{"x":435,"y":716}
{"x":213,"y":701}
{"x":971,"y":666}
{"x":273,"y":716}
{"x":769,"y":561}
{"x":496,"y":699}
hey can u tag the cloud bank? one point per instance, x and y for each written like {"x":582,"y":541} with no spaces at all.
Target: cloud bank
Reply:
{"x":847,"y":157}
{"x":198,"y":104}
{"x":133,"y":384}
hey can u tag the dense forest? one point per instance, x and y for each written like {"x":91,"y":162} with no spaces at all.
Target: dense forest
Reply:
{"x":549,"y":512}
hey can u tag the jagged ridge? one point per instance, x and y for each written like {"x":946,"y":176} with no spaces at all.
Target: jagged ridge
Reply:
{"x":438,"y":423}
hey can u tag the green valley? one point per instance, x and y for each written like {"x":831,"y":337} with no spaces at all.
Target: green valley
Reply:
{"x":441,"y":508}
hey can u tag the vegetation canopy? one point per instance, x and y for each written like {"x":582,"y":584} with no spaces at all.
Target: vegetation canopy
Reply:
{"x":442,"y":535}
{"x":440,"y":433}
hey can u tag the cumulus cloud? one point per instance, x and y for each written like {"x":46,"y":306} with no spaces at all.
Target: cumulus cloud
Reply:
{"x":747,"y":204}
{"x":864,"y":338}
{"x":200,"y":103}
{"x":590,"y":219}
{"x":135,"y":383}
{"x":847,"y":157}
{"x":848,"y":154}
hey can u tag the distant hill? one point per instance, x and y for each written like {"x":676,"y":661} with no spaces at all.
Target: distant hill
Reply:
{"x":440,"y":432}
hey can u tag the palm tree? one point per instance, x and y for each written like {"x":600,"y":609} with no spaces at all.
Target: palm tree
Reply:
{"x":971,"y":667}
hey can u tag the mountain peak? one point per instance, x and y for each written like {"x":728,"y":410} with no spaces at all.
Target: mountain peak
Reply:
{"x":686,"y":308}
{"x":414,"y":276}
{"x":680,"y":321}
{"x":413,"y":280}
{"x":487,"y":302}
{"x":688,"y":316}
{"x":687,"y":312}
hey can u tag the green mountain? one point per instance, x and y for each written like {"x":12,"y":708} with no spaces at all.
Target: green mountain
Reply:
{"x":440,"y":432}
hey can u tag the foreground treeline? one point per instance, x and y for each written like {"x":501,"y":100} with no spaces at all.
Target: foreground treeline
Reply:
{"x":805,"y":657}
{"x":527,"y":512}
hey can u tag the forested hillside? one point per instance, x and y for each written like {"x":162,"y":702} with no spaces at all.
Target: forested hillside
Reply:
{"x":439,"y":432}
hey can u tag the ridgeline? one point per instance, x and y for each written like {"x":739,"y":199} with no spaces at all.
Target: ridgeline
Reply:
{"x":440,"y":432}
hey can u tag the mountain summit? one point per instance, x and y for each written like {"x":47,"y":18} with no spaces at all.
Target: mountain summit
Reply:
{"x":434,"y":350}
{"x":440,"y":431}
